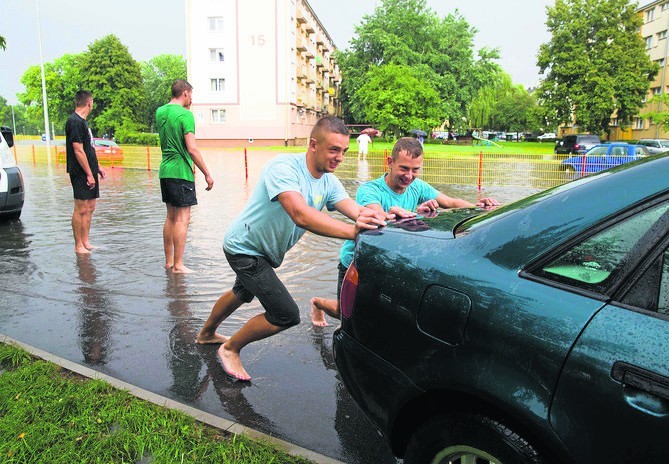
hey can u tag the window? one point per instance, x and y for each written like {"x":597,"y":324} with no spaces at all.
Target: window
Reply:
{"x":216,"y":55}
{"x":662,"y":35}
{"x":639,"y":123}
{"x":656,"y":90}
{"x":660,"y":62}
{"x":217,"y":84}
{"x":589,"y":264}
{"x":651,"y":291}
{"x":650,"y":15}
{"x":614,"y":121}
{"x":215,"y":23}
{"x":649,"y":41}
{"x":218,"y":115}
{"x":664,"y":6}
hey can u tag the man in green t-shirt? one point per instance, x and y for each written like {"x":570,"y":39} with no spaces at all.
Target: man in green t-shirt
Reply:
{"x":176,"y":128}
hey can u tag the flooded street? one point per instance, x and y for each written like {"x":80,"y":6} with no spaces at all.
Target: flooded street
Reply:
{"x":119,"y":312}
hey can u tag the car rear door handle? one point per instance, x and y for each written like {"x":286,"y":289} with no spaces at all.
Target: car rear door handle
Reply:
{"x":642,"y":379}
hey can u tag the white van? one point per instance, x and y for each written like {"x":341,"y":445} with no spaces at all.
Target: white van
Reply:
{"x":11,"y":179}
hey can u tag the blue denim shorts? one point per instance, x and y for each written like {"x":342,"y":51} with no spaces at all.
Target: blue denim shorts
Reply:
{"x":256,"y":278}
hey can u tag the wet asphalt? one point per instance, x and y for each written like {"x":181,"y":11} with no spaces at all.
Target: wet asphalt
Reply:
{"x":119,"y":312}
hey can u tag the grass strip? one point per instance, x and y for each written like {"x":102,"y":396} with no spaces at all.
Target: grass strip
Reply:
{"x":48,"y":414}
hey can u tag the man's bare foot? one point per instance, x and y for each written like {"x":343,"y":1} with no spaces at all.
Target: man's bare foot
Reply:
{"x":81,"y":251}
{"x":216,"y":338}
{"x":232,"y":364}
{"x":181,"y":270}
{"x":89,"y":246}
{"x":317,"y":315}
{"x":168,"y":266}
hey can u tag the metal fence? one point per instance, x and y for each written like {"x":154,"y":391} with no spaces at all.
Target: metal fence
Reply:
{"x":480,"y":170}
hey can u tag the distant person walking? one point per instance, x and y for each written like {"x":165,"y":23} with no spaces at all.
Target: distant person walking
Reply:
{"x":363,"y":145}
{"x":176,"y":128}
{"x":286,"y":202}
{"x":84,"y":171}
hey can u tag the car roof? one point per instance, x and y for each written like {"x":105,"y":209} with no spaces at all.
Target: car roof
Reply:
{"x":527,"y":228}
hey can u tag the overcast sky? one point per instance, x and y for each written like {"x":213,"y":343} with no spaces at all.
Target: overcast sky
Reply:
{"x":153,"y":27}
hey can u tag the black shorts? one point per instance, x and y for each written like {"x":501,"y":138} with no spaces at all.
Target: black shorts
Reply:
{"x":81,"y":190}
{"x":178,"y":192}
{"x":256,"y":278}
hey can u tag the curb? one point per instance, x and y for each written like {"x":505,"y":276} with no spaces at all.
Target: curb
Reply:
{"x":201,"y":416}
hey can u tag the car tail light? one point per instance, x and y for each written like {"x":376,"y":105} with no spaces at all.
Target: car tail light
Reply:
{"x":577,"y":147}
{"x":349,"y":288}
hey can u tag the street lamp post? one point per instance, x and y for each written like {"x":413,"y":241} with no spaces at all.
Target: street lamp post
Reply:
{"x":44,"y":101}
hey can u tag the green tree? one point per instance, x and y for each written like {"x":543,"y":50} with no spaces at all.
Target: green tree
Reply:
{"x":115,"y":79}
{"x":397,"y":97}
{"x":3,"y":43}
{"x":63,"y":79}
{"x":159,"y":73}
{"x":482,"y":106}
{"x":516,"y":111}
{"x":408,"y":33}
{"x":660,"y":115}
{"x":595,"y":63}
{"x":11,"y":114}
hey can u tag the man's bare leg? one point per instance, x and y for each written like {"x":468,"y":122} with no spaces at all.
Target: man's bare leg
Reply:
{"x":78,"y":221}
{"x":168,"y":237}
{"x":322,"y":306}
{"x":224,"y":306}
{"x":86,"y":224}
{"x":255,"y":329}
{"x":180,"y":232}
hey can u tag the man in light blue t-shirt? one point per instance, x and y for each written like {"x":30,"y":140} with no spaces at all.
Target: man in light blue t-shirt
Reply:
{"x":286,"y":202}
{"x":399,"y":192}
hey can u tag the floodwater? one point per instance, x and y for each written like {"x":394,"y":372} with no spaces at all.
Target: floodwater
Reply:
{"x":119,"y":312}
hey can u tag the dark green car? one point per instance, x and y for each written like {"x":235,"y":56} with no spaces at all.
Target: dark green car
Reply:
{"x":537,"y":332}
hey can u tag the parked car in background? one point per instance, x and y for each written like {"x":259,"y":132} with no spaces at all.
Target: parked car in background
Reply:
{"x":655,"y":145}
{"x":107,"y":150}
{"x":11,"y":180}
{"x":603,"y":156}
{"x":547,"y":137}
{"x":532,"y":333}
{"x":576,"y":143}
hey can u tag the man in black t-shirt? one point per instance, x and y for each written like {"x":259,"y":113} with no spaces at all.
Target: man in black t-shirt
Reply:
{"x":82,"y":165}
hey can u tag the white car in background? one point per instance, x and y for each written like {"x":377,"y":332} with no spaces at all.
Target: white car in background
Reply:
{"x":655,"y":145}
{"x":11,"y":179}
{"x":548,"y":136}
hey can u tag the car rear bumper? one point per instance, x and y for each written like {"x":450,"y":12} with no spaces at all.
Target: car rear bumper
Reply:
{"x":378,"y":387}
{"x":11,"y":190}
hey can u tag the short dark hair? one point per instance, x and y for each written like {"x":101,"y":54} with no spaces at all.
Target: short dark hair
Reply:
{"x":81,"y":98}
{"x":331,"y":125}
{"x":410,"y":145}
{"x":179,"y":86}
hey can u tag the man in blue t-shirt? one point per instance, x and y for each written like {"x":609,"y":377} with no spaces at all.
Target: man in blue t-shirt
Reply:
{"x":286,"y":202}
{"x":399,"y":192}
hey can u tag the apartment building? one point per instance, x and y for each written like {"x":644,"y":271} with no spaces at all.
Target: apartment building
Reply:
{"x":263,"y":71}
{"x":654,"y":32}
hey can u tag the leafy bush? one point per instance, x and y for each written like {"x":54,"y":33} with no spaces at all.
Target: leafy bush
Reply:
{"x":137,"y":138}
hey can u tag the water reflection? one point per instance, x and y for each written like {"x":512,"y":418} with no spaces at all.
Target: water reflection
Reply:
{"x":195,"y":368}
{"x":95,"y":314}
{"x":352,"y":427}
